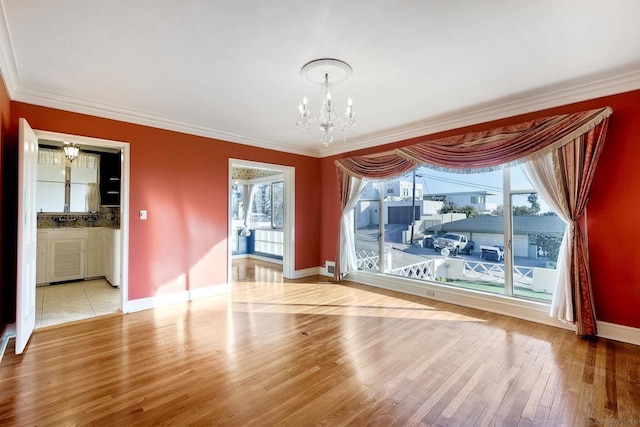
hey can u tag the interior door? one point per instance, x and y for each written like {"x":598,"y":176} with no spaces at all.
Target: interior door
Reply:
{"x":27,"y":235}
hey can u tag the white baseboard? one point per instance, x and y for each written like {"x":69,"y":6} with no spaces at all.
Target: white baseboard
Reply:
{"x":8,"y":333}
{"x":313,"y":271}
{"x":258,"y":257}
{"x":618,"y":332}
{"x":324,"y":272}
{"x":183,"y":296}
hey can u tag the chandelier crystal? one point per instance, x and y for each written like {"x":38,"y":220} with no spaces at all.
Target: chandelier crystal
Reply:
{"x":326,"y":72}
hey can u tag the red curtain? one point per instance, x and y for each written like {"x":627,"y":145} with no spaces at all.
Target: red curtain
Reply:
{"x":577,"y":161}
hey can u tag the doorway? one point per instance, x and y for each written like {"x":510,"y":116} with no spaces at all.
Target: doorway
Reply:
{"x":261,"y":214}
{"x":99,"y":283}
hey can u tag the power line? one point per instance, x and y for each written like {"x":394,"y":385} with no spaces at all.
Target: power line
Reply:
{"x":468,"y":184}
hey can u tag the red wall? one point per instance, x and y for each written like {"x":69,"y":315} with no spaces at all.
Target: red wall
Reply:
{"x":613,"y":219}
{"x":5,"y":315}
{"x":182,"y":180}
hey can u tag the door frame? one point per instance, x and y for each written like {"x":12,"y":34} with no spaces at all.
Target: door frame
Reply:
{"x":288,"y":258}
{"x":125,"y":151}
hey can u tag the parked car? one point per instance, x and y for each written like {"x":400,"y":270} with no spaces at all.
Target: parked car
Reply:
{"x":427,"y":241}
{"x":492,"y":253}
{"x":455,"y":243}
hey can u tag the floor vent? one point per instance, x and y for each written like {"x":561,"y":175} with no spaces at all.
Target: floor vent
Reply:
{"x":331,"y":266}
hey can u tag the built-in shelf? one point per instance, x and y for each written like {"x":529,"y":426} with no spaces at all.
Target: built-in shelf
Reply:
{"x":110,"y":179}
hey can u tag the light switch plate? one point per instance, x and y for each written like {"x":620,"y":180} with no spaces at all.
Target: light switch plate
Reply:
{"x":143,"y":214}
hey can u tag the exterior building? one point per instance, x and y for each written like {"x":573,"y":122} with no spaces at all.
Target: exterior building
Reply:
{"x":403,"y":189}
{"x":477,"y":199}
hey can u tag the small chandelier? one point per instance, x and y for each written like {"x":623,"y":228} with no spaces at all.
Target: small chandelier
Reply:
{"x":326,"y":72}
{"x":71,"y":151}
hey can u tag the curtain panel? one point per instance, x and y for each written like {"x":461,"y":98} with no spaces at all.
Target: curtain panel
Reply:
{"x":346,"y":261}
{"x":248,"y":192}
{"x":575,"y":142}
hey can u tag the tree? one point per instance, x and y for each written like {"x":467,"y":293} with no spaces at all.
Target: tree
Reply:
{"x":448,"y":208}
{"x":532,"y":210}
{"x":549,"y":243}
{"x":535,"y":205}
{"x":469,"y":210}
{"x":498,"y":211}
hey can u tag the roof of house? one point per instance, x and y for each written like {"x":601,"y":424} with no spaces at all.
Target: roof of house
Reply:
{"x":494,"y":224}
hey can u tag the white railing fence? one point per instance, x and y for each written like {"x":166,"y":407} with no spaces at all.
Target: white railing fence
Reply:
{"x":367,"y":259}
{"x":427,"y":270}
{"x":422,"y":270}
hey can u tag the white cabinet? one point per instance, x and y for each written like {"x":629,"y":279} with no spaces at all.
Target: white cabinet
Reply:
{"x":41,"y":259}
{"x":94,"y":253}
{"x":66,"y":259}
{"x":107,"y":255}
{"x":78,"y":253}
{"x":269,"y":241}
{"x":111,"y":256}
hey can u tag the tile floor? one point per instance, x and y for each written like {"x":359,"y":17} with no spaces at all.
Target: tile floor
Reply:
{"x":67,"y":302}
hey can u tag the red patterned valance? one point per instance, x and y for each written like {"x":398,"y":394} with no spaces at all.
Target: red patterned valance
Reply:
{"x":479,"y":151}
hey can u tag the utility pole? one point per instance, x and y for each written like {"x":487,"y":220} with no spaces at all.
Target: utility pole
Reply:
{"x":413,"y":205}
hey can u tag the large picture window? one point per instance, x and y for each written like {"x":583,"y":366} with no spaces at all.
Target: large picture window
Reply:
{"x":455,"y":231}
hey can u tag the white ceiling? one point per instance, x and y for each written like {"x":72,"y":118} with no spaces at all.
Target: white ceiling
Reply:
{"x":231,"y":69}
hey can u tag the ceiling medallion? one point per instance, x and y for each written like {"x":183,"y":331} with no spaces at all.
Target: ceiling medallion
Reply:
{"x":326,"y":72}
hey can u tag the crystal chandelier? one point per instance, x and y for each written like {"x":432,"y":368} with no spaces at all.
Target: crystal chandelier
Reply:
{"x":326,"y":72}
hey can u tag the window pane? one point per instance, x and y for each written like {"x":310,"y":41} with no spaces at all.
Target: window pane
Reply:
{"x":236,"y":202}
{"x":79,"y":198}
{"x":454,"y":232}
{"x":464,"y":211}
{"x":400,"y":210}
{"x":537,"y":237}
{"x":84,"y":176}
{"x":51,"y":173}
{"x":519,"y":181}
{"x":470,"y":228}
{"x":50,"y":188}
{"x":50,"y":196}
{"x":367,"y":223}
{"x":277,"y":205}
{"x":80,"y":188}
{"x":261,"y":210}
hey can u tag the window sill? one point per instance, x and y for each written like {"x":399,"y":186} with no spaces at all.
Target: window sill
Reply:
{"x":501,"y":304}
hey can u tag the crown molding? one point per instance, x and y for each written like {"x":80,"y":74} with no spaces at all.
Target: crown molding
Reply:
{"x":83,"y":106}
{"x":535,"y":102}
{"x":497,"y":110}
{"x":8,"y":67}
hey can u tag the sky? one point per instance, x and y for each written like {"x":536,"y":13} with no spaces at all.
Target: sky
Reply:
{"x":443,"y":182}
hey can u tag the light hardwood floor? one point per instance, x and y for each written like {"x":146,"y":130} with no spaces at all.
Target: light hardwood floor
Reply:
{"x":311,"y":352}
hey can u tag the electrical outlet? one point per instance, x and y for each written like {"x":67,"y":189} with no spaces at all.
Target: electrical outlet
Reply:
{"x":431,"y":293}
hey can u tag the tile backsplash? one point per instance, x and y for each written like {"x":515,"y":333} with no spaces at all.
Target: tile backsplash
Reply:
{"x":107,"y":217}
